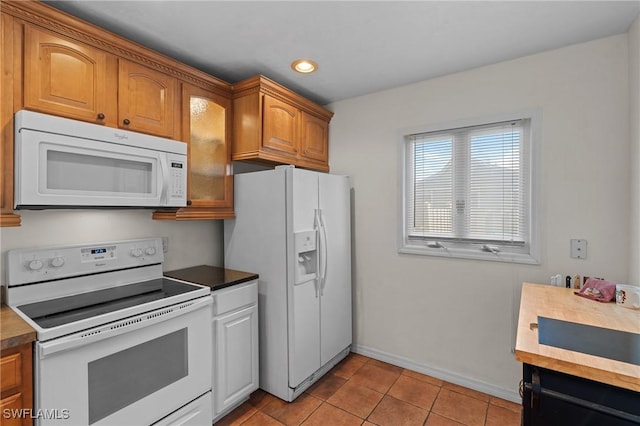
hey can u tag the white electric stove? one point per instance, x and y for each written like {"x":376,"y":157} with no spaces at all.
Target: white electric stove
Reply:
{"x":117,"y":343}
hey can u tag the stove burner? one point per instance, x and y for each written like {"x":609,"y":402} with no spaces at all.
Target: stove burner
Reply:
{"x":65,"y":310}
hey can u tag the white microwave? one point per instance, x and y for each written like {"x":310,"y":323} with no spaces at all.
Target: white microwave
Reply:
{"x":63,"y":163}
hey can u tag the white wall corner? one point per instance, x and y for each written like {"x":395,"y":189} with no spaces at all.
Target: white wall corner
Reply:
{"x":634,"y":141}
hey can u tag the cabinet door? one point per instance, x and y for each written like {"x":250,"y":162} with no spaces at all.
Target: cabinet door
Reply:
{"x":314,"y":138}
{"x":12,"y":404}
{"x":10,"y":71}
{"x":279,"y":129}
{"x":553,"y":398}
{"x":16,"y":385}
{"x":206,"y":124}
{"x":147,"y":100}
{"x":67,"y":78}
{"x":235,"y":374}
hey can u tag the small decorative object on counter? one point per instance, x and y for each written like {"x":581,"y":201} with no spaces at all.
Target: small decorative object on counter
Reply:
{"x":628,"y":296}
{"x":556,"y":280}
{"x":598,"y":290}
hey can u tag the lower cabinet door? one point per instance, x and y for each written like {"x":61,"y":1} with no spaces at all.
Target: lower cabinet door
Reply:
{"x":552,"y":398}
{"x":235,"y":373}
{"x":12,"y":411}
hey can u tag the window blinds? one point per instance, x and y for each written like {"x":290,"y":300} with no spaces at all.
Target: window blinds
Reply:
{"x":431,"y":197}
{"x":469,"y":184}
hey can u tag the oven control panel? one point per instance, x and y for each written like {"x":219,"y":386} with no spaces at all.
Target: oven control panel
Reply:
{"x":97,"y":254}
{"x":41,"y":264}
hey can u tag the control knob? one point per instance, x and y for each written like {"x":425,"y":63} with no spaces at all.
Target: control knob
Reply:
{"x":136,"y":252}
{"x":57,"y":262}
{"x":35,"y":265}
{"x":150,"y":251}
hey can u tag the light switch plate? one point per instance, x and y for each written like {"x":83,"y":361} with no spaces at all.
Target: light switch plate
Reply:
{"x":578,"y":249}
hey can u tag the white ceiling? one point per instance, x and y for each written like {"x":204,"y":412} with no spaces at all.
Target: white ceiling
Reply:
{"x":361,"y":46}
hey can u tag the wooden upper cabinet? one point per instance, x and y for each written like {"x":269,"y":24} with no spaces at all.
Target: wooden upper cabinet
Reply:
{"x":68,"y":78}
{"x":206,"y":124}
{"x":274,"y":125}
{"x":54,"y":63}
{"x":10,"y":83}
{"x":314,"y":138}
{"x":147,"y":100}
{"x":280,"y":125}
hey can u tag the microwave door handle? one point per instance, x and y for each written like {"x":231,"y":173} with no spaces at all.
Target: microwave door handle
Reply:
{"x":164,"y":169}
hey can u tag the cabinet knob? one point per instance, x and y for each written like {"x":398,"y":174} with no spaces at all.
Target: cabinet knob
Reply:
{"x":189,"y":202}
{"x":126,"y":121}
{"x":100,"y":116}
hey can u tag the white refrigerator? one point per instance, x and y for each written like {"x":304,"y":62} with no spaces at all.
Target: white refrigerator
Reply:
{"x":292,"y":227}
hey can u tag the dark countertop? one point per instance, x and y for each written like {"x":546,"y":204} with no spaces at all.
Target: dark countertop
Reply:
{"x":14,"y":331}
{"x":212,"y":276}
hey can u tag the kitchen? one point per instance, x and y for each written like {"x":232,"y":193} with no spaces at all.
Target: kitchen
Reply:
{"x":589,"y":100}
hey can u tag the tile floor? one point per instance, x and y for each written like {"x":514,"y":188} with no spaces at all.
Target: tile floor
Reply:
{"x":364,"y":391}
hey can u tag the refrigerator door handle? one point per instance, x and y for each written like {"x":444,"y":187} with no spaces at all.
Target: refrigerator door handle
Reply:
{"x":324,"y":253}
{"x":316,"y":227}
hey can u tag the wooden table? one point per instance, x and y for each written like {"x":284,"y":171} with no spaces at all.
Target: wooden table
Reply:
{"x":563,"y":304}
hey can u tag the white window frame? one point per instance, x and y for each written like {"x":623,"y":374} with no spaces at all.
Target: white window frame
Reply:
{"x":465,"y":250}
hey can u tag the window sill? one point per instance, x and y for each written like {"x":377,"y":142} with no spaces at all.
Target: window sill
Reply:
{"x":470,"y":254}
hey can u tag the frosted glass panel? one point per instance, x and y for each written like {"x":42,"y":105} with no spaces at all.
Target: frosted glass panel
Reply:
{"x":208,"y":149}
{"x":81,"y":172}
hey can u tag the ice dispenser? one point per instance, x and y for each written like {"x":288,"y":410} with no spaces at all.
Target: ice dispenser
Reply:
{"x":307,"y":255}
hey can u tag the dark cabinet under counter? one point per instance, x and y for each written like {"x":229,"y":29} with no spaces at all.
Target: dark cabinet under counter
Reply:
{"x":551,"y":398}
{"x":211,"y":276}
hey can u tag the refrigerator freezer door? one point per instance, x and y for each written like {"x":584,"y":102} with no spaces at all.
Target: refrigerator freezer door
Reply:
{"x":304,"y":343}
{"x":304,"y":302}
{"x":256,"y":241}
{"x":335,"y":301}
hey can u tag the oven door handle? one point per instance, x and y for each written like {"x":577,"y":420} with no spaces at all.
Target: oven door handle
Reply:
{"x":120,"y":327}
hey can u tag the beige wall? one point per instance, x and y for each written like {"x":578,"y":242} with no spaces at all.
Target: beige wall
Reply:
{"x":634,"y":121}
{"x":456,"y":318}
{"x":190,"y":243}
{"x":451,"y":318}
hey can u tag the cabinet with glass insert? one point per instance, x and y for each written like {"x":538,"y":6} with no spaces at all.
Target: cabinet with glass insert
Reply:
{"x":206,"y":119}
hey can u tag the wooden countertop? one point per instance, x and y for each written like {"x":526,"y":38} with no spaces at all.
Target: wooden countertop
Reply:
{"x":212,"y":276}
{"x":563,"y":304}
{"x":14,"y":331}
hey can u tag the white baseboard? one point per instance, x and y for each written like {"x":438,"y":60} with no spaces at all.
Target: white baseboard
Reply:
{"x":497,"y":391}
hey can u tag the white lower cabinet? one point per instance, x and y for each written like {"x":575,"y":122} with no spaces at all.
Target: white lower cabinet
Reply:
{"x":235,"y":346}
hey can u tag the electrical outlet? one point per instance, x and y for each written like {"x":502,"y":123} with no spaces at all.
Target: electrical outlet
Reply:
{"x":579,"y":249}
{"x":165,"y":244}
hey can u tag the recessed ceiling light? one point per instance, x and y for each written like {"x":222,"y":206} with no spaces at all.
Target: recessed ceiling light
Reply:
{"x":304,"y":66}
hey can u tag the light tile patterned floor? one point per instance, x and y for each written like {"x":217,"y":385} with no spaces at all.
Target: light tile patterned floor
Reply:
{"x":364,"y":391}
